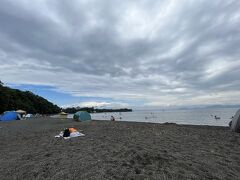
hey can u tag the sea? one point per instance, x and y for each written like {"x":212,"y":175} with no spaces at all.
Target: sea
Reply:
{"x":186,"y":116}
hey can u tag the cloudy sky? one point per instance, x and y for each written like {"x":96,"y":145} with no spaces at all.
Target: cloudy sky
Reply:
{"x":122,"y":53}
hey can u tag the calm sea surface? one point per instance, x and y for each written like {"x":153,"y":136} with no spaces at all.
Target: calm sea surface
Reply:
{"x":194,"y":117}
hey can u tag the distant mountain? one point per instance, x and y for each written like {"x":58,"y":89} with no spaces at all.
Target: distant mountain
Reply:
{"x":218,"y":106}
{"x":224,"y":106}
{"x":186,"y":107}
{"x":13,"y":99}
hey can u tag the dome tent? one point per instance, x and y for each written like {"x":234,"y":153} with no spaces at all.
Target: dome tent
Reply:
{"x":21,"y":113}
{"x":9,"y":116}
{"x":82,"y":116}
{"x":29,"y":116}
{"x":235,"y":126}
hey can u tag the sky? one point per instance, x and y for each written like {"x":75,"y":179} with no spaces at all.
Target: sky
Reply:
{"x":135,"y":53}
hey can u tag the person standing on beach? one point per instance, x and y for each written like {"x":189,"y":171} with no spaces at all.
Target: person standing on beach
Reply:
{"x":112,"y":118}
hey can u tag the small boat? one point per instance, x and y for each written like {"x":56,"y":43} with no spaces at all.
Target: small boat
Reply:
{"x":216,"y":117}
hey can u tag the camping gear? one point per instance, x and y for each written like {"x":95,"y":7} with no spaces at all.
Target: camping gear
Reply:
{"x":9,"y":116}
{"x":82,"y":116}
{"x":29,"y":116}
{"x":21,"y":112}
{"x":235,"y":125}
{"x":69,"y":133}
{"x":63,"y":115}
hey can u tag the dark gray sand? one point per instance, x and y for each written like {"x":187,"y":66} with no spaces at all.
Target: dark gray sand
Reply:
{"x":117,"y":150}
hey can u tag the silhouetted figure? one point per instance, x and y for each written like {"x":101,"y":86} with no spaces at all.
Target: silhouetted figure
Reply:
{"x":112,"y":118}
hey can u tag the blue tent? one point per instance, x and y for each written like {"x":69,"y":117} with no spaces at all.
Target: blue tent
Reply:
{"x":82,"y":116}
{"x":9,"y":116}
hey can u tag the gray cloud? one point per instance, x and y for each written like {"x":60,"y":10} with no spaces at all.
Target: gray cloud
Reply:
{"x":155,"y":52}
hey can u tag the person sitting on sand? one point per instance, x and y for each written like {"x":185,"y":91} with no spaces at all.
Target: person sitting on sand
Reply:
{"x":112,"y":118}
{"x":69,"y":133}
{"x":66,"y":132}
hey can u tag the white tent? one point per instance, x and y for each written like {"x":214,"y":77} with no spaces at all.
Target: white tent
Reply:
{"x":235,"y":126}
{"x":29,"y":116}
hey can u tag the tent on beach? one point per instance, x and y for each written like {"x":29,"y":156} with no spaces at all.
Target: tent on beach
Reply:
{"x":82,"y":116}
{"x":63,"y":115}
{"x":10,"y":116}
{"x":235,"y":125}
{"x":21,"y":112}
{"x":29,"y":116}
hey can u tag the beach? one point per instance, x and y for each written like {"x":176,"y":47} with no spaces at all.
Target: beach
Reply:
{"x":117,"y":150}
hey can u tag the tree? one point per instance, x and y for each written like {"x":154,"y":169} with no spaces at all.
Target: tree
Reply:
{"x":13,"y":99}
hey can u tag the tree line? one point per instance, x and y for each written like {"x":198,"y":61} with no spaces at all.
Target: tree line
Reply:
{"x":73,"y":110}
{"x":14,"y":99}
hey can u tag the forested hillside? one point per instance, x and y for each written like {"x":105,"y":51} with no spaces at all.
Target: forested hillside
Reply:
{"x":13,"y":99}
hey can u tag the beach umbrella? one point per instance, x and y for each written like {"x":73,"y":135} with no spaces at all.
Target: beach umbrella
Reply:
{"x":21,"y":111}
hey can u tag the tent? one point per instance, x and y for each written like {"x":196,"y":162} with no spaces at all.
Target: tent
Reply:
{"x":21,"y":112}
{"x":9,"y":116}
{"x":82,"y":116}
{"x":235,"y":126}
{"x":29,"y":116}
{"x":63,"y":115}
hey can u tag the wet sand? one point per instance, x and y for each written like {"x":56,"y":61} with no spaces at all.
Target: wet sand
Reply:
{"x":117,"y":150}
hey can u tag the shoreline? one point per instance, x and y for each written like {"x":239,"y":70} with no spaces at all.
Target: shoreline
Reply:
{"x":116,"y":121}
{"x":117,"y":150}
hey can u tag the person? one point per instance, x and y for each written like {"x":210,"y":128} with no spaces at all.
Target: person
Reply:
{"x":66,"y":132}
{"x":112,"y":118}
{"x":19,"y":117}
{"x":230,"y":124}
{"x":72,"y":130}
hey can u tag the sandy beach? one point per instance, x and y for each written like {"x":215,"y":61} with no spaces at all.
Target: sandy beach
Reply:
{"x":117,"y":150}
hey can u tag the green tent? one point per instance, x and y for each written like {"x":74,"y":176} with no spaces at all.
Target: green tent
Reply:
{"x":82,"y":116}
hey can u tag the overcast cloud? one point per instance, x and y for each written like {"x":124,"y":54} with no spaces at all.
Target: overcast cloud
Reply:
{"x":158,"y":53}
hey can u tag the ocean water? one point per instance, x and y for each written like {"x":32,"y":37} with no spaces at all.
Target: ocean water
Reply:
{"x":193,"y":117}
